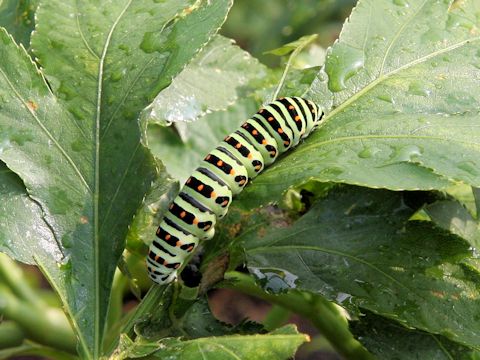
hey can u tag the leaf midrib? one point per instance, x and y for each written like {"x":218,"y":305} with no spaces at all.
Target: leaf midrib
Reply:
{"x":383,"y":136}
{"x":397,"y":34}
{"x":98,"y":331}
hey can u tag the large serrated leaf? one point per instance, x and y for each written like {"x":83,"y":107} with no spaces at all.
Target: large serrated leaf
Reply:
{"x":404,"y":92}
{"x":357,"y":247}
{"x":78,"y":147}
{"x":211,"y":82}
{"x":388,"y":340}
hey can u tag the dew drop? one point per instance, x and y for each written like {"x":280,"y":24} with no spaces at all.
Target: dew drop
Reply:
{"x":343,"y":62}
{"x":368,"y":152}
{"x":403,"y":3}
{"x":418,"y":88}
{"x":407,"y":153}
{"x":77,"y":146}
{"x":118,"y":75}
{"x":386,"y":97}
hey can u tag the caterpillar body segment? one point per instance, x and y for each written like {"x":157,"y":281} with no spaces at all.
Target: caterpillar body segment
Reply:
{"x":227,"y":168}
{"x":224,"y":172}
{"x":245,"y":152}
{"x":209,"y":190}
{"x":262,"y":140}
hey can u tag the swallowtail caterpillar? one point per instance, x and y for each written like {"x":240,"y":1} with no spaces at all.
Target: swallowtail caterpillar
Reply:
{"x":206,"y":195}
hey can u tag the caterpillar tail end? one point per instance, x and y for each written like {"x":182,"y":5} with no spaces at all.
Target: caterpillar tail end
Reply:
{"x":162,"y":279}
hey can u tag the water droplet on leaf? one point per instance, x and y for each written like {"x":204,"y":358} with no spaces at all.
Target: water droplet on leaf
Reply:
{"x":342,"y":63}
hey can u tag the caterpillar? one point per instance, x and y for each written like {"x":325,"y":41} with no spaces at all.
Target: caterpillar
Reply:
{"x":223,"y":173}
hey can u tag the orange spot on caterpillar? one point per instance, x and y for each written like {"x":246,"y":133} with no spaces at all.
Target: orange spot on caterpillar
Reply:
{"x":165,"y":263}
{"x":270,"y":118}
{"x":158,"y":231}
{"x":261,"y":111}
{"x":157,"y":257}
{"x":224,"y":203}
{"x":241,"y":182}
{"x":219,"y":163}
{"x":200,"y":187}
{"x":264,"y":142}
{"x":290,"y":107}
{"x":280,"y":130}
{"x":258,"y":167}
{"x":167,"y":237}
{"x":183,"y":214}
{"x":286,"y":143}
{"x":206,"y":227}
{"x":178,"y":244}
{"x":190,"y":248}
{"x":213,"y":194}
{"x":238,"y":146}
{"x":254,"y":132}
{"x":232,"y":172}
{"x":208,"y":157}
{"x":249,"y":155}
{"x":227,"y":138}
{"x":195,"y":221}
{"x":297,"y":118}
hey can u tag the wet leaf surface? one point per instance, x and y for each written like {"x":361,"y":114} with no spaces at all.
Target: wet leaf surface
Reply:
{"x":388,"y":340}
{"x":358,"y":248}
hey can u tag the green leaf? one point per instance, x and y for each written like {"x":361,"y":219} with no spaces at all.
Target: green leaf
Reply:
{"x":476,"y":194}
{"x":388,"y":340}
{"x":279,"y":344}
{"x":453,"y":216}
{"x":17,"y":17}
{"x":404,"y":94}
{"x":357,"y":247}
{"x":80,"y":154}
{"x":292,"y":46}
{"x":23,"y":231}
{"x":215,"y":79}
{"x":30,"y":349}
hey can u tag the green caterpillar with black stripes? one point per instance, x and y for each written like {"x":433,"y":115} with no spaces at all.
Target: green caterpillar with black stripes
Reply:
{"x":206,"y":195}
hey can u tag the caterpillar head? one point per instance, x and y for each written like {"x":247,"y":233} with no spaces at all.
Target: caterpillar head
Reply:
{"x":317,"y":113}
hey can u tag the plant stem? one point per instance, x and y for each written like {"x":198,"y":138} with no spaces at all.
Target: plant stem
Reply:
{"x":323,"y":314}
{"x":120,"y":283}
{"x":276,"y":317}
{"x":28,"y":349}
{"x":48,"y":327}
{"x":12,"y":276}
{"x":10,"y":335}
